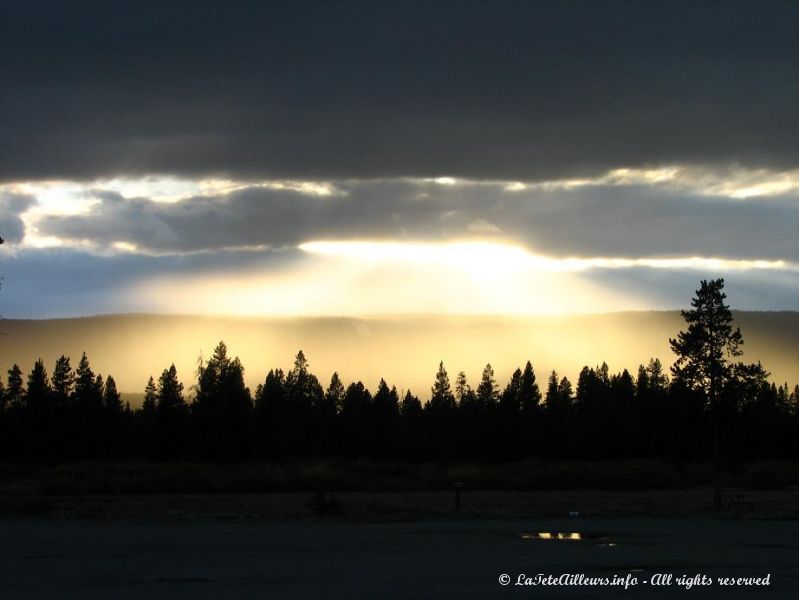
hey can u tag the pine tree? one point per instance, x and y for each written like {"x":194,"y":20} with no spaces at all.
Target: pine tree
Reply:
{"x":85,"y":389}
{"x":440,"y":412}
{"x":99,"y":387}
{"x":270,"y":413}
{"x":222,"y":407}
{"x":487,"y":391}
{"x":385,"y":420}
{"x":149,"y":436}
{"x":385,"y":400}
{"x":114,"y":440}
{"x":565,"y":391}
{"x":38,"y":386}
{"x":272,"y":392}
{"x":150,"y":396}
{"x":510,"y":399}
{"x":410,"y":405}
{"x":356,"y":420}
{"x":15,"y":390}
{"x":411,"y":445}
{"x":170,"y":392}
{"x":442,"y":397}
{"x":335,"y":393}
{"x":300,"y":366}
{"x":171,"y":415}
{"x":329,"y":406}
{"x":305,"y":419}
{"x":303,"y":388}
{"x":658,"y":380}
{"x":40,"y":415}
{"x":641,"y":383}
{"x":704,"y":351}
{"x":62,"y":382}
{"x":552,"y":399}
{"x":111,"y":397}
{"x":461,"y":387}
{"x":529,"y":394}
{"x":705,"y":348}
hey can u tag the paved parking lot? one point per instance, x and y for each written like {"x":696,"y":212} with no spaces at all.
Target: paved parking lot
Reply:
{"x":206,"y":558}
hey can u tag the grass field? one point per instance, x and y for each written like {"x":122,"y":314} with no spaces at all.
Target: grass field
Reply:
{"x":366,"y":490}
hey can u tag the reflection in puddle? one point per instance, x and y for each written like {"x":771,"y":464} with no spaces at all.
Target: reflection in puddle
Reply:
{"x":605,"y":540}
{"x":549,"y":535}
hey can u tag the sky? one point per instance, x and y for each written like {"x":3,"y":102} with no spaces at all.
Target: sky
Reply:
{"x":347,"y":158}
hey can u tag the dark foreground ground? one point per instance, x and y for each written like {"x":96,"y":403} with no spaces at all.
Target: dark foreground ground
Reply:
{"x":214,"y":548}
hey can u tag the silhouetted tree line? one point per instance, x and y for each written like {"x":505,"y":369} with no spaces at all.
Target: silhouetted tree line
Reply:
{"x":711,"y":406}
{"x":75,"y":414}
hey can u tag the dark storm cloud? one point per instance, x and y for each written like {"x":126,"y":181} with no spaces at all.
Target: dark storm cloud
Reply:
{"x":11,"y":207}
{"x":596,"y":220}
{"x":517,"y":90}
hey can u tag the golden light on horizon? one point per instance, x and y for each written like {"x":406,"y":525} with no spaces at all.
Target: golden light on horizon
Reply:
{"x":366,"y":277}
{"x":372,"y":278}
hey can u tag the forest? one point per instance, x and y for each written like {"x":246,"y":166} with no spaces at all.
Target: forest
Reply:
{"x":673,"y":414}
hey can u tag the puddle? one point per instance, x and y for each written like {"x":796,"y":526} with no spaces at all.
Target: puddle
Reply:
{"x":553,"y":535}
{"x":575,"y":536}
{"x":605,"y":540}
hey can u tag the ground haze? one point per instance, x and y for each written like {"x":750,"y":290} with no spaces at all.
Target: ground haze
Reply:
{"x":403,"y":350}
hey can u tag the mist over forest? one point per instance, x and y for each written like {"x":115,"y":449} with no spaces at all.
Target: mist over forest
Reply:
{"x":405,"y":350}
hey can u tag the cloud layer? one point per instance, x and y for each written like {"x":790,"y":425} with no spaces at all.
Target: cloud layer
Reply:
{"x":12,"y":206}
{"x":626,"y":240}
{"x":181,"y":141}
{"x":496,"y":90}
{"x":621,"y":220}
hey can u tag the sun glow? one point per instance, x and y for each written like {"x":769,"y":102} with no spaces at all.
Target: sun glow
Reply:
{"x":488,"y":257}
{"x":358,"y":278}
{"x":370,"y":278}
